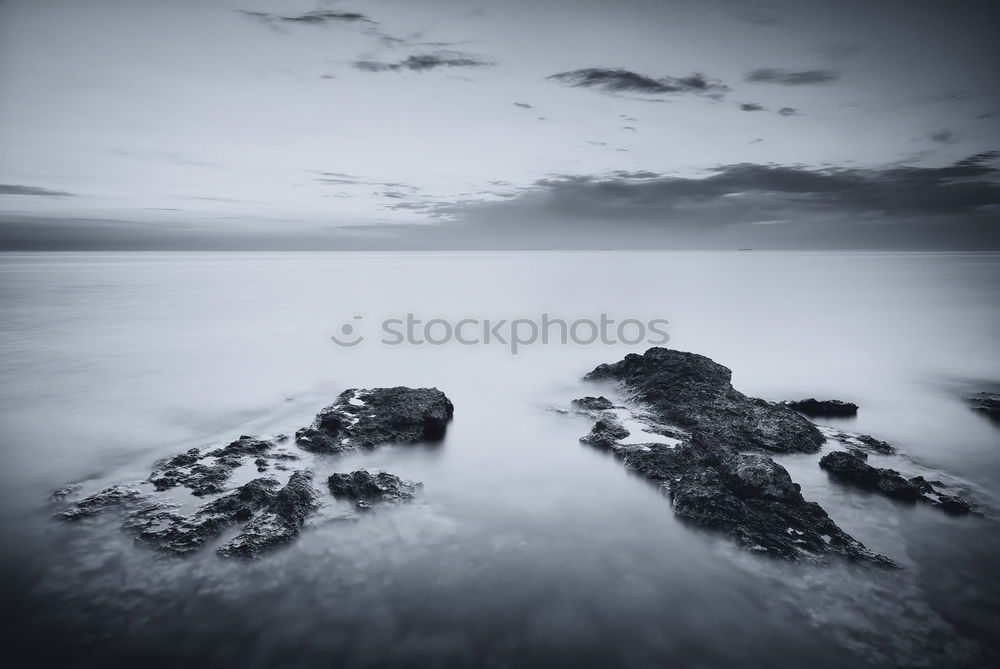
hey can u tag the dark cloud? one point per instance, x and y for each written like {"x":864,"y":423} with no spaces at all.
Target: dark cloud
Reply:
{"x":14,"y":189}
{"x":774,"y":75}
{"x":424,"y":62}
{"x":951,"y":206}
{"x":625,"y":81}
{"x":751,"y":106}
{"x":523,"y":105}
{"x":321,"y":17}
{"x":788,"y":111}
{"x":942,"y":136}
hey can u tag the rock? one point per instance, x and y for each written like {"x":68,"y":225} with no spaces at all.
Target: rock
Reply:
{"x":592,"y":404}
{"x":60,"y":494}
{"x":109,"y":498}
{"x":368,"y":418}
{"x":280,"y":522}
{"x":986,"y":403}
{"x":694,"y":393}
{"x":858,"y":442}
{"x":206,"y":473}
{"x":174,"y":533}
{"x":710,"y":480}
{"x":823,"y":408}
{"x":606,"y":432}
{"x":366,"y":489}
{"x":851,"y":467}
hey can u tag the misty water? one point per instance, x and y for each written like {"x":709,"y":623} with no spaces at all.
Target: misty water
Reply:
{"x":525,"y":548}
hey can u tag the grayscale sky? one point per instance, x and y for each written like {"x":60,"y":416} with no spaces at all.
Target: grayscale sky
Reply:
{"x":445,"y":124}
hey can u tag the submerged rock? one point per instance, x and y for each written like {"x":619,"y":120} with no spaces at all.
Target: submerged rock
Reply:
{"x":850,"y":466}
{"x":606,"y":433}
{"x":367,"y":418}
{"x":592,"y":404}
{"x":365,"y":489}
{"x":863,"y":442}
{"x":114,"y":497}
{"x":174,"y":533}
{"x":709,"y":479}
{"x":694,"y":393}
{"x":986,"y":403}
{"x":206,"y":473}
{"x":823,"y":408}
{"x":280,"y":522}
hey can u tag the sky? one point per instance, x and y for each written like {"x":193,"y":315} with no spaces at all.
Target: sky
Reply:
{"x":513,"y":124}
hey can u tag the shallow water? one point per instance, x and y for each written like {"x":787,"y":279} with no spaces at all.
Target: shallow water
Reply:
{"x":525,"y":547}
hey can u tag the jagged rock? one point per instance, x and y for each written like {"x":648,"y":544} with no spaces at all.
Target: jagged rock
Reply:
{"x":190,"y":469}
{"x":60,"y":494}
{"x":815,"y":408}
{"x":852,"y":468}
{"x":986,"y":403}
{"x":858,"y":442}
{"x":109,"y":498}
{"x":366,"y":489}
{"x":367,"y":418}
{"x":606,"y":432}
{"x":592,"y":404}
{"x":174,"y":533}
{"x":709,"y":480}
{"x":694,"y":393}
{"x":279,"y":523}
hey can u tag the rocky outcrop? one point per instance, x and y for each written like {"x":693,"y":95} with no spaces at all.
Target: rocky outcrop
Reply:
{"x":280,"y":522}
{"x":606,"y":433}
{"x":863,"y":442}
{"x":366,"y":489}
{"x":815,"y":408}
{"x":710,"y":478}
{"x":986,"y":403}
{"x":368,"y":418}
{"x":694,"y":393}
{"x":592,"y":403}
{"x":207,"y":473}
{"x":850,"y":467}
{"x":114,"y":497}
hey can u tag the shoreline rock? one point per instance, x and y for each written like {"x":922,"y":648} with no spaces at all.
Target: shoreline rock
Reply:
{"x":815,"y":408}
{"x":366,"y":489}
{"x":986,"y":403}
{"x":367,"y":418}
{"x":710,"y":478}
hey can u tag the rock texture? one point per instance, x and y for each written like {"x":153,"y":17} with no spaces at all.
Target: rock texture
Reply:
{"x":710,"y":477}
{"x":987,"y":404}
{"x":368,"y":418}
{"x":823,"y":408}
{"x":366,"y":489}
{"x":850,"y":467}
{"x":592,"y":403}
{"x":694,"y":393}
{"x":280,"y":522}
{"x":208,"y":473}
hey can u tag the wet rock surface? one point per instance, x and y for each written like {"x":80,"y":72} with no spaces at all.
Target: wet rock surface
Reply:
{"x":366,"y":489}
{"x":280,"y":522}
{"x":986,"y":403}
{"x":114,"y":497}
{"x":366,"y":418}
{"x":694,"y":393}
{"x":207,"y":473}
{"x":851,"y":467}
{"x":823,"y":408}
{"x":592,"y":403}
{"x":710,"y":478}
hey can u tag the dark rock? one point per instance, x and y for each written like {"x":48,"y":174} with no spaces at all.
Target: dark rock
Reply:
{"x":60,"y":494}
{"x":850,"y":467}
{"x":368,"y":418}
{"x":824,"y":408}
{"x":245,"y":445}
{"x":710,"y":481}
{"x":606,"y":432}
{"x":174,"y":533}
{"x":694,"y":393}
{"x":592,"y":404}
{"x":191,"y":470}
{"x":279,"y":523}
{"x":365,"y":489}
{"x":987,"y":404}
{"x":109,"y":498}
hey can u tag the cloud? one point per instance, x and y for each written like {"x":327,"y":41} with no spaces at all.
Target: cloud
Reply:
{"x":321,"y":17}
{"x":14,"y":189}
{"x":424,"y":62}
{"x":788,"y":111}
{"x":751,"y":106}
{"x":523,"y":105}
{"x":950,"y":206}
{"x":625,"y":81}
{"x":942,"y":136}
{"x":773,"y":75}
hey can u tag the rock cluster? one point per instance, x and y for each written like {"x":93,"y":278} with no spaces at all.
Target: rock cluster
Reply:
{"x":823,"y":408}
{"x":366,"y":489}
